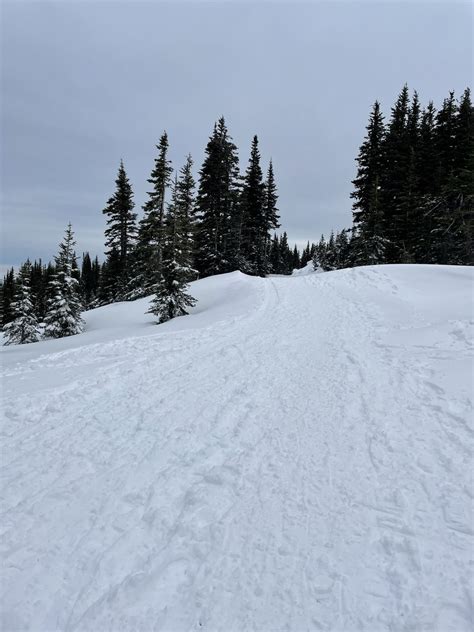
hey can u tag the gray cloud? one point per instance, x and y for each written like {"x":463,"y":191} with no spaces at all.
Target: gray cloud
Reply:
{"x":85,"y":84}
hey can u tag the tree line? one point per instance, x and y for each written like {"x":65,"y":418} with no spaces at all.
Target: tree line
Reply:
{"x":187,"y":231}
{"x":414,"y":189}
{"x":412,"y":203}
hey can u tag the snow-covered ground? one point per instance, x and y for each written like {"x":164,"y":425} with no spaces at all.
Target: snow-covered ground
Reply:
{"x":295,"y":455}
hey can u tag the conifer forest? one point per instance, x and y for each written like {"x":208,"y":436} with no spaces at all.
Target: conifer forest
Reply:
{"x":412,"y":202}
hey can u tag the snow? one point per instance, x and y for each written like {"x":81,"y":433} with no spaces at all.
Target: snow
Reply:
{"x":296,"y":455}
{"x":307,"y":269}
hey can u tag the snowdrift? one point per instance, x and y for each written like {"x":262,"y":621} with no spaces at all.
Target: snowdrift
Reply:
{"x":294,"y":455}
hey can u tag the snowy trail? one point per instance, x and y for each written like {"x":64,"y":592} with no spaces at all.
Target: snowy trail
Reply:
{"x":304,"y":465}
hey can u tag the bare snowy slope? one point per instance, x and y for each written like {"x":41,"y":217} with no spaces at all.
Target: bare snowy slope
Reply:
{"x":295,"y":455}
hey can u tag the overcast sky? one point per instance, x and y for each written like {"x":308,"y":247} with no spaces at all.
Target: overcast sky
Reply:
{"x":87,"y":83}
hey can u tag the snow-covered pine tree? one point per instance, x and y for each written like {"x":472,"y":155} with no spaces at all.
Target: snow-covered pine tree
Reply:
{"x":271,"y":213}
{"x":286,"y":256}
{"x":395,"y":173}
{"x":305,"y":255}
{"x":217,"y":205}
{"x":63,"y":317}
{"x":38,"y":289}
{"x":23,"y":328}
{"x":7,"y":297}
{"x":186,"y":212}
{"x":343,"y":249}
{"x":254,"y":221}
{"x":296,"y":259}
{"x":367,"y":208}
{"x":451,"y":213}
{"x":121,"y":231}
{"x":274,"y":258}
{"x":171,"y":297}
{"x":319,"y":256}
{"x":110,"y":288}
{"x":87,"y":285}
{"x":151,"y":231}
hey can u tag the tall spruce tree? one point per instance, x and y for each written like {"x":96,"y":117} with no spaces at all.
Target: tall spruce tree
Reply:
{"x":23,"y":328}
{"x":464,"y":179}
{"x":121,"y":231}
{"x":409,"y":195}
{"x":110,"y":289}
{"x":38,"y":288}
{"x":171,"y":293}
{"x":254,"y":220}
{"x":319,"y":256}
{"x":217,"y":205}
{"x":186,"y":212}
{"x":270,"y":210}
{"x":306,"y":255}
{"x":446,"y":232}
{"x":63,"y":317}
{"x":296,"y":259}
{"x":367,"y":207}
{"x":151,"y":232}
{"x":7,"y":297}
{"x":396,"y":154}
{"x":426,"y":169}
{"x":342,"y":247}
{"x":274,"y":255}
{"x":286,"y":256}
{"x":89,"y":283}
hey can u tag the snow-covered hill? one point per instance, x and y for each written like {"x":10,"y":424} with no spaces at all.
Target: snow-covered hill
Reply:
{"x":294,"y":455}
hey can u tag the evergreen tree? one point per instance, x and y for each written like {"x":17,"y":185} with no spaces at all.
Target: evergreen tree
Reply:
{"x":426,"y":169}
{"x":270,"y":210}
{"x":464,"y":179}
{"x":446,"y":124}
{"x":217,"y":206}
{"x":342,"y":248}
{"x":464,"y":145}
{"x":448,"y":235}
{"x":110,"y":289}
{"x":331,"y":255}
{"x":151,"y":232}
{"x":48,"y":277}
{"x":319,"y":257}
{"x":395,"y":175}
{"x":171,"y":295}
{"x":7,"y":297}
{"x":38,"y":289}
{"x":63,"y":317}
{"x":254,"y":220}
{"x":96,"y":268}
{"x":89,"y":282}
{"x":427,"y":159}
{"x":286,"y":256}
{"x":121,"y":228}
{"x":367,"y":207}
{"x":274,"y":255}
{"x":23,"y":328}
{"x":306,"y":255}
{"x":185,"y":206}
{"x":295,"y":260}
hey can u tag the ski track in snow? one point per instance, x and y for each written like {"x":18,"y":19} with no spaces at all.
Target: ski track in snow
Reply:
{"x":304,"y":466}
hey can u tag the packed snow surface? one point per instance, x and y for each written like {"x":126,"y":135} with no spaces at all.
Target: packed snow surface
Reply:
{"x":294,"y":455}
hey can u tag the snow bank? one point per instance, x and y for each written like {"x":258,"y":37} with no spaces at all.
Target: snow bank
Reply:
{"x":218,"y":298}
{"x":307,"y":269}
